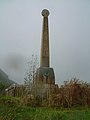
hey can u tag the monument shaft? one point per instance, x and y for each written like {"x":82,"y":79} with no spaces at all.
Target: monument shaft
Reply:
{"x":44,"y":62}
{"x":45,"y":77}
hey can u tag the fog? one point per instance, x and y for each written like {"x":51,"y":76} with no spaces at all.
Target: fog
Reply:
{"x":69,"y":34}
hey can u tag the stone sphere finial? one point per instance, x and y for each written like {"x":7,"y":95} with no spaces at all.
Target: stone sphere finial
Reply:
{"x":45,"y":13}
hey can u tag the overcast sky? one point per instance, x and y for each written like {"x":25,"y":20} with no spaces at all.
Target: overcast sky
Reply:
{"x":69,"y":29}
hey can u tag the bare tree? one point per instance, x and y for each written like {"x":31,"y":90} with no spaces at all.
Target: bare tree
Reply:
{"x":30,"y":75}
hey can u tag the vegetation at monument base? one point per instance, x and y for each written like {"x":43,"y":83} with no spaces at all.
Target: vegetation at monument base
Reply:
{"x":71,"y":102}
{"x":11,"y":109}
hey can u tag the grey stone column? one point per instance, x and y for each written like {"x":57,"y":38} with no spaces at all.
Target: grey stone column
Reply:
{"x":44,"y":60}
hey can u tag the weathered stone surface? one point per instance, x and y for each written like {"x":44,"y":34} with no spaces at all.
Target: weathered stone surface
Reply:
{"x":45,"y":13}
{"x":45,"y":75}
{"x":45,"y":78}
{"x":44,"y":61}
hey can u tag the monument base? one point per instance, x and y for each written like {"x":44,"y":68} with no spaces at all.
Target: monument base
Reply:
{"x":45,"y":81}
{"x":45,"y":75}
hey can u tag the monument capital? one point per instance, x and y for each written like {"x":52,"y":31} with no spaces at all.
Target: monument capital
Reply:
{"x":45,"y":13}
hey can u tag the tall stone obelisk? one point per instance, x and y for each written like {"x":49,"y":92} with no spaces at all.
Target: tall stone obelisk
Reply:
{"x":45,"y":40}
{"x":45,"y":74}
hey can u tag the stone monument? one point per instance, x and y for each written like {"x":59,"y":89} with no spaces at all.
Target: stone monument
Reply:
{"x":45,"y":78}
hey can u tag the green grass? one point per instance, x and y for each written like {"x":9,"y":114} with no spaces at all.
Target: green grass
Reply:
{"x":28,"y":113}
{"x":12,"y":110}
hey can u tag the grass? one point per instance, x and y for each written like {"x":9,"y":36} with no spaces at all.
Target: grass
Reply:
{"x":14,"y":111}
{"x":28,"y":113}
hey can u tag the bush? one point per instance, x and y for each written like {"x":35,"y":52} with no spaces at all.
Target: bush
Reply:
{"x":9,"y":101}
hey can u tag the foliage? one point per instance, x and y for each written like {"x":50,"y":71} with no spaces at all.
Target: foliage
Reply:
{"x":9,"y":101}
{"x":12,"y":109}
{"x":30,"y":100}
{"x":30,"y":75}
{"x":32,"y":113}
{"x":4,"y":79}
{"x":2,"y":87}
{"x":72,"y":93}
